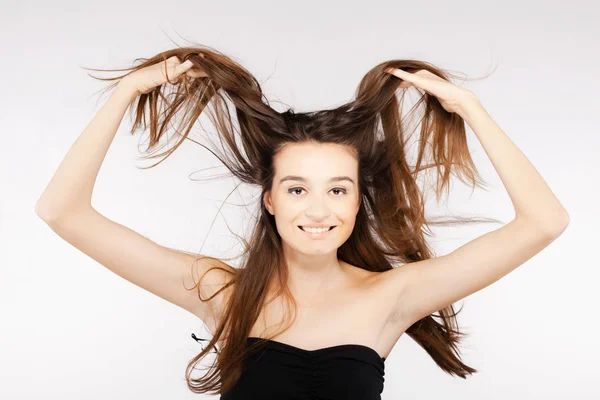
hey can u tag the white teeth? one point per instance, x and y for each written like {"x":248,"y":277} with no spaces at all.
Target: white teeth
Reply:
{"x":314,"y":230}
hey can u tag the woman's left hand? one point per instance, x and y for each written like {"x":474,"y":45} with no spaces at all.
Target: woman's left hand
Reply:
{"x":450,"y":96}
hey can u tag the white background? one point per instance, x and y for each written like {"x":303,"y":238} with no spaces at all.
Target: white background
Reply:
{"x":71,"y":329}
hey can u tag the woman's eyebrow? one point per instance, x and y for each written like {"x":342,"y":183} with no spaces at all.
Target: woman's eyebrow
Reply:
{"x":302,"y":179}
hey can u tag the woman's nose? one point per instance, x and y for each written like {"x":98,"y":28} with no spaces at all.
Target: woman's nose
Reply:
{"x":317,"y":209}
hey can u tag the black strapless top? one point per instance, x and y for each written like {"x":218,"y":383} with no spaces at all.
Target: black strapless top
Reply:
{"x":285,"y":372}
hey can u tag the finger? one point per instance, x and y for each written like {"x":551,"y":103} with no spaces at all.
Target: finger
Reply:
{"x":405,"y":80}
{"x":419,"y":81}
{"x":400,"y":73}
{"x":181,"y":68}
{"x":430,"y":74}
{"x":405,"y":76}
{"x":195,"y":73}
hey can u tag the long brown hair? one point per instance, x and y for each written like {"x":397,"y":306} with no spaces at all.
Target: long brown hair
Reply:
{"x":390,"y":226}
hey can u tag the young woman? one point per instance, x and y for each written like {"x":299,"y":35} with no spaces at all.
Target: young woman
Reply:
{"x":340,"y":232}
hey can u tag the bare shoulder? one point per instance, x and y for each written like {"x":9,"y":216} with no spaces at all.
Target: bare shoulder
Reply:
{"x":359,"y":275}
{"x":373,"y":285}
{"x":379,"y":293}
{"x":368,"y":279}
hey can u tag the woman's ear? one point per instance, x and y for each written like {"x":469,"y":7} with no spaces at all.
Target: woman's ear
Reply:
{"x":267,"y":202}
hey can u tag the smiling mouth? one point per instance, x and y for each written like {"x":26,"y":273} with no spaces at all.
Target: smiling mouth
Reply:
{"x":302,"y":228}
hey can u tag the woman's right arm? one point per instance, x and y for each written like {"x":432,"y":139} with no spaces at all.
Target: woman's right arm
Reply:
{"x":65,"y":206}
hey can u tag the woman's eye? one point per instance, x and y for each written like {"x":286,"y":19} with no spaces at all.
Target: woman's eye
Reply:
{"x":295,"y":191}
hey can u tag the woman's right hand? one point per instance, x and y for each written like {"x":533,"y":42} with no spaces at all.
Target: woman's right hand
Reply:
{"x":147,"y":78}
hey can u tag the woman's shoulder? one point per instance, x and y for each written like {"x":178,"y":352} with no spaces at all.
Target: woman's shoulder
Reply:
{"x":360,"y":276}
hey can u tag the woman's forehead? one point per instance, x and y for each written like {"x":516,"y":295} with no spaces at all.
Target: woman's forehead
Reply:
{"x":322,"y":159}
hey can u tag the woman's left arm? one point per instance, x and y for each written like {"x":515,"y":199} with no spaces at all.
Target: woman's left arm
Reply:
{"x":531,"y":197}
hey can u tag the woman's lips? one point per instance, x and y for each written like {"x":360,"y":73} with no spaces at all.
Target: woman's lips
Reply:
{"x":317,"y":234}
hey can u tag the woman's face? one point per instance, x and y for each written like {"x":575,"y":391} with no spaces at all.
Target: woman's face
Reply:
{"x":315,"y":184}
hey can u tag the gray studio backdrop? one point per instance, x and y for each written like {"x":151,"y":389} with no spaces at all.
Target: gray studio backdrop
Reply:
{"x":70,"y":329}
